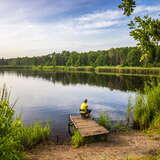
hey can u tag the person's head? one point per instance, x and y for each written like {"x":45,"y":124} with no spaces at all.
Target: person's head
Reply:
{"x":85,"y":101}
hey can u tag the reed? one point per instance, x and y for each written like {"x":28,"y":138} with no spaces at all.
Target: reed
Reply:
{"x":64,"y":68}
{"x":76,"y":139}
{"x":147,"y":109}
{"x":128,"y":70}
{"x":98,"y":69}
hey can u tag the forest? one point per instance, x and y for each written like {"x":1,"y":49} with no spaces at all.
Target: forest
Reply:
{"x":124,"y":56}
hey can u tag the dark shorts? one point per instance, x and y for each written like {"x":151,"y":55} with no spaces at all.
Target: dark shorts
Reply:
{"x":89,"y":110}
{"x":87,"y":114}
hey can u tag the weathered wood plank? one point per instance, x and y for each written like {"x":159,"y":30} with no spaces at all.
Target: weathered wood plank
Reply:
{"x":87,"y":127}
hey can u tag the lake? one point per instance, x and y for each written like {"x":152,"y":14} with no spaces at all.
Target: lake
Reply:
{"x":46,"y":96}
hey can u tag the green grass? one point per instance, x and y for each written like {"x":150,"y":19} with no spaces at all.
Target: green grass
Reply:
{"x":128,"y":70}
{"x":14,"y":67}
{"x":104,"y":120}
{"x":34,"y":134}
{"x":147,"y":108}
{"x":64,"y":68}
{"x":15,"y":137}
{"x":102,"y":69}
{"x":76,"y":139}
{"x":90,"y":69}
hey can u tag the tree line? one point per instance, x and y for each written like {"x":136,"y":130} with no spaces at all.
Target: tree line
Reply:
{"x":126,"y":56}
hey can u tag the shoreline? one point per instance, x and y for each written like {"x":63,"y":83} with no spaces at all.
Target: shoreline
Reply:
{"x":119,"y":146}
{"x":139,"y":71}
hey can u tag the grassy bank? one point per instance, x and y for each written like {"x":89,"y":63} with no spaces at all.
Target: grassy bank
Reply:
{"x":64,"y":68}
{"x":15,"y":137}
{"x":11,"y":67}
{"x":106,"y":69}
{"x":128,"y":70}
{"x":90,"y":69}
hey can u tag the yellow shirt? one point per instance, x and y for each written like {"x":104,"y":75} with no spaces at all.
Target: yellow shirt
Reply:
{"x":83,"y":107}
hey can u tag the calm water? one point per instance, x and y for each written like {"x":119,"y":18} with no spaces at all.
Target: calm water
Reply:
{"x":53,"y":96}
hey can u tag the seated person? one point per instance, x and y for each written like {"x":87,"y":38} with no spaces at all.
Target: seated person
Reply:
{"x":84,"y":111}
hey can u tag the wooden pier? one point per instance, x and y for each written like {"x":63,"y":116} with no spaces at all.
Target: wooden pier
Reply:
{"x":87,"y":127}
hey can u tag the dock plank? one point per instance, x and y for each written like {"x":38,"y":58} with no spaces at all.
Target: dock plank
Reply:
{"x":87,"y":127}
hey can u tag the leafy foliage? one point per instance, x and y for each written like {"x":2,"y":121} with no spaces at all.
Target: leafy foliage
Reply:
{"x":127,"y":7}
{"x":127,"y":56}
{"x":146,"y":31}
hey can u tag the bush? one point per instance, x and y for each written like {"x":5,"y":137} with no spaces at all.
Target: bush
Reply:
{"x":76,"y":139}
{"x":14,"y":136}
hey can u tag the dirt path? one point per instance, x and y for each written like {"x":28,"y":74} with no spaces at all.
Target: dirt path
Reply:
{"x":117,"y":147}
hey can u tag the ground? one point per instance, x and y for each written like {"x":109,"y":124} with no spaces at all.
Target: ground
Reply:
{"x":119,"y":146}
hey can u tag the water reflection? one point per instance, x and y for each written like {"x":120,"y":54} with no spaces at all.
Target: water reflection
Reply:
{"x":47,"y":96}
{"x":121,"y":82}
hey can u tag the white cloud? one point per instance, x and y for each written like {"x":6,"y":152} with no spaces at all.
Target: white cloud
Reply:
{"x":109,"y":14}
{"x":21,"y":35}
{"x":82,"y":33}
{"x":147,"y":9}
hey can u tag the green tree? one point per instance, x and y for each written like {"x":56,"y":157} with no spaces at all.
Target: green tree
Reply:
{"x":146,"y":31}
{"x":133,"y":57}
{"x":127,"y":6}
{"x":100,"y":61}
{"x":53,"y":60}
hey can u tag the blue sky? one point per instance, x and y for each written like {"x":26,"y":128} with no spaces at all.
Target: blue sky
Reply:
{"x":37,"y":27}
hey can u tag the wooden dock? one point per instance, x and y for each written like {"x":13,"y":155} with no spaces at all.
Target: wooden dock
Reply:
{"x":87,"y":127}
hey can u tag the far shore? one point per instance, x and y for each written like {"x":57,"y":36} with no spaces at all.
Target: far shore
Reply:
{"x":90,"y":69}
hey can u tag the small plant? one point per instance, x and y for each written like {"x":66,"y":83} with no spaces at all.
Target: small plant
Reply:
{"x":104,"y":120}
{"x":76,"y":140}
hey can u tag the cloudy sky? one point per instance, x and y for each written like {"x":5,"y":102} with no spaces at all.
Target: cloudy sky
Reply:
{"x":38,"y":27}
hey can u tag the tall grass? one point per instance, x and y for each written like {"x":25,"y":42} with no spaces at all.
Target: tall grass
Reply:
{"x":127,"y":70}
{"x":104,"y":120}
{"x":32,"y":135}
{"x":64,"y":68}
{"x":98,"y":69}
{"x":14,"y":135}
{"x":147,"y":108}
{"x":76,"y":139}
{"x":129,"y":113}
